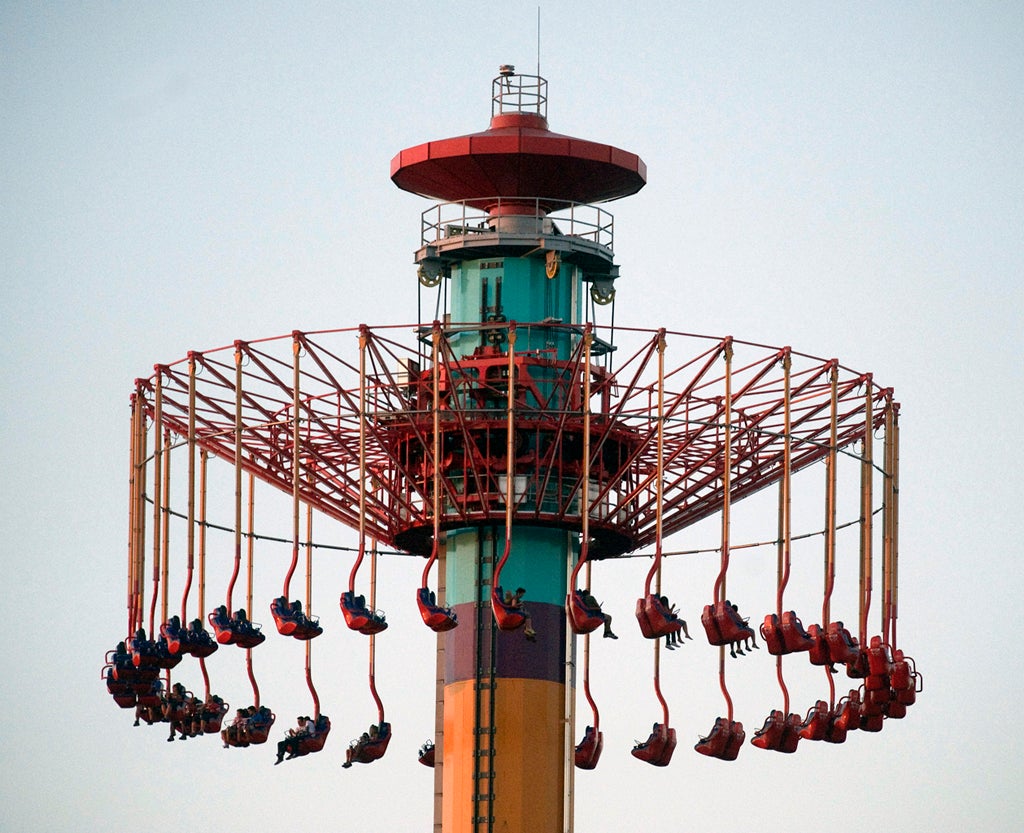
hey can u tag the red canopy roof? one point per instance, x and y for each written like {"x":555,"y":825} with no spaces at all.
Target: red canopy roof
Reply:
{"x":518,"y":157}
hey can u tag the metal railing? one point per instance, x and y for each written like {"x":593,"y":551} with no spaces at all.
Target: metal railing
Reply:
{"x":446,"y":220}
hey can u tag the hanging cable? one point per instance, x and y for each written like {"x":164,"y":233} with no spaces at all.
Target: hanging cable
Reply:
{"x":509,"y":617}
{"x":661,"y":744}
{"x":358,"y":616}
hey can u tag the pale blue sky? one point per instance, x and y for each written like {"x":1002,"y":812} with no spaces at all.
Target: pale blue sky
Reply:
{"x":845,"y":179}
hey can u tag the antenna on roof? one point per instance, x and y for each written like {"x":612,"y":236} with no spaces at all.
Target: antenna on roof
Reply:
{"x":538,"y":41}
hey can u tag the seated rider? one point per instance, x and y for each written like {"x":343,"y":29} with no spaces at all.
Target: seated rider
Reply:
{"x":672,"y":640}
{"x":593,"y":604}
{"x":735,"y":647}
{"x":291,"y":743}
{"x":514,"y":601}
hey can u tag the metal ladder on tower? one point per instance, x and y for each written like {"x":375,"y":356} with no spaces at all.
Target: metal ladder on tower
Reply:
{"x":484,"y":681}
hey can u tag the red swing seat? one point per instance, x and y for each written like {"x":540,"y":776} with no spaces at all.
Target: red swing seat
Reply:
{"x":724,"y":625}
{"x":426,"y":755}
{"x":815,"y":725}
{"x":771,"y":633}
{"x":895,"y":709}
{"x":794,"y":636}
{"x":905,"y":679}
{"x":283,"y":617}
{"x":654,"y":618}
{"x":439,"y":619}
{"x":359,"y":617}
{"x":786,"y":636}
{"x":121,"y":690}
{"x":724,"y":740}
{"x":223,"y":631}
{"x":769,"y":736}
{"x":588,"y":750}
{"x":780,"y":733}
{"x":509,"y":617}
{"x":257,"y":730}
{"x":842,"y":647}
{"x":365,"y":752}
{"x":315,"y":742}
{"x":582,"y":617}
{"x":879,"y":664}
{"x":818,"y":653}
{"x":174,"y":638}
{"x":211,"y":716}
{"x":198,"y":643}
{"x":871,"y":722}
{"x":229,"y":632}
{"x":844,"y":718}
{"x":658,"y":748}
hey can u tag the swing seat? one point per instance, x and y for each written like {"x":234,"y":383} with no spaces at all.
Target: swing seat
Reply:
{"x":114,"y":685}
{"x":848,"y":711}
{"x":588,"y":750}
{"x":144,"y":654}
{"x":794,"y":636}
{"x":815,"y":725}
{"x":655,"y":620}
{"x":164,"y":658}
{"x":359,"y":617}
{"x":315,"y":742}
{"x":198,"y":643}
{"x":249,"y":638}
{"x":842,"y":647}
{"x":769,"y":736}
{"x":872,"y":722}
{"x":426,"y":756}
{"x":258,"y":729}
{"x":149,"y":714}
{"x":900,"y":674}
{"x":439,"y":619}
{"x":871,"y":706}
{"x":174,"y":637}
{"x":284,"y":619}
{"x":212,"y":716}
{"x":879,"y":658}
{"x":366,"y":752}
{"x":309,"y":628}
{"x":724,"y":741}
{"x":835,"y":731}
{"x":790,"y":734}
{"x":174,"y":711}
{"x":724,"y":625}
{"x":780,"y":733}
{"x":508,"y":617}
{"x":582,"y":617}
{"x":658,"y":748}
{"x":771,"y":633}
{"x":895,"y":709}
{"x":125,"y":700}
{"x":818,"y":653}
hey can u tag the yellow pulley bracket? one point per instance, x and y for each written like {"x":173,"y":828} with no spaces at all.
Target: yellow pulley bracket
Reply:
{"x":552,"y":263}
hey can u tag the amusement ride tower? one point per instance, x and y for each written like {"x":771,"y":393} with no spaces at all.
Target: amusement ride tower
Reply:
{"x":504,"y":445}
{"x":507,"y":261}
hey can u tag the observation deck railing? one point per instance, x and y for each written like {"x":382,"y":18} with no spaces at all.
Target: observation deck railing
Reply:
{"x":446,"y":220}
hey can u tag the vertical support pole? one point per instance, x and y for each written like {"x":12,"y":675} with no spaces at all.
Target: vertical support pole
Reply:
{"x":866,"y":519}
{"x":190,"y":528}
{"x":830,"y":497}
{"x":136,"y":476}
{"x":157,"y":490}
{"x":202,"y":533}
{"x":165,"y":529}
